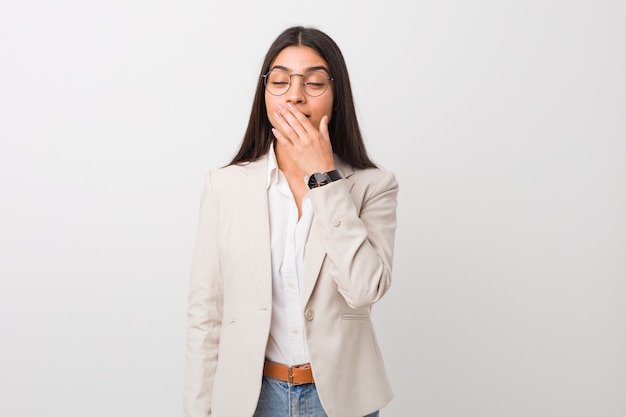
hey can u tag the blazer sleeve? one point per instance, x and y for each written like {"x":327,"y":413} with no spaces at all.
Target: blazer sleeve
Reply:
{"x":359,"y":241}
{"x":205,"y":308}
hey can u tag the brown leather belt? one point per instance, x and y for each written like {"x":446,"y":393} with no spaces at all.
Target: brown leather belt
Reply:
{"x":295,"y":375}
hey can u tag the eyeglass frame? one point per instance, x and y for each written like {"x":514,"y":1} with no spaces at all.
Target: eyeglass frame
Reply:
{"x":329,"y":78}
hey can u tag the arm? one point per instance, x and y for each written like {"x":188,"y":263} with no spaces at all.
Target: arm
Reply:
{"x":359,"y":244}
{"x":204,"y":311}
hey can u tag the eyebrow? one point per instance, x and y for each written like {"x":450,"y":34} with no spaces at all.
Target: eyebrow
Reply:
{"x":309,"y":69}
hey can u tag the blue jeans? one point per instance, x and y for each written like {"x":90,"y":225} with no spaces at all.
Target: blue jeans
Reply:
{"x":278,"y":399}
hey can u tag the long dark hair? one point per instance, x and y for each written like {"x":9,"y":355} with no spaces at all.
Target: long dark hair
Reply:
{"x":345,"y":134}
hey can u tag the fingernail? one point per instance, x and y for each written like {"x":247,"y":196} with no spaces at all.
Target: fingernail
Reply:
{"x":291,"y":106}
{"x":279,"y":107}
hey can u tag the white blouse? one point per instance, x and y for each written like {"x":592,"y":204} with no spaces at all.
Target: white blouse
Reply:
{"x":287,"y":344}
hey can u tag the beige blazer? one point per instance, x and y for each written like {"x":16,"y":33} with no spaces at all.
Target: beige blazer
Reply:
{"x":347,"y":264}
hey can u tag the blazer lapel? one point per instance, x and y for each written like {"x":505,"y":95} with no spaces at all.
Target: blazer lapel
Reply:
{"x":254,"y":192}
{"x":313,"y":258}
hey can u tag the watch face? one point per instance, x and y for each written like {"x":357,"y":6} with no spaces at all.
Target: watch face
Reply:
{"x":318,"y":179}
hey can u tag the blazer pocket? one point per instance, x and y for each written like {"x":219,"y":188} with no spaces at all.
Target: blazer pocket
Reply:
{"x":356,"y":317}
{"x":361,"y":346}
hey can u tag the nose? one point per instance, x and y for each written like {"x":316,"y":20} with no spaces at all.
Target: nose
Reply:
{"x":296,"y":89}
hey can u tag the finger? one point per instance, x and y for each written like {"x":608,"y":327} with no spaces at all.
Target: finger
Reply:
{"x":284,"y":127}
{"x":290,"y":116}
{"x":301,"y":118}
{"x":281,"y":138}
{"x":324,"y":128}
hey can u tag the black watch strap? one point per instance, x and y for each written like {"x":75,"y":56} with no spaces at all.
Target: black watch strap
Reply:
{"x":319,"y":179}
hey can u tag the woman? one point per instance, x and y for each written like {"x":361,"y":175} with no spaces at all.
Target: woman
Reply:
{"x":294,"y":246}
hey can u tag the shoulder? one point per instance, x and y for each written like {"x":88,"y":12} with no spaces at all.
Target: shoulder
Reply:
{"x":367,"y":177}
{"x":230,"y":175}
{"x":374,"y":180}
{"x":374,"y":175}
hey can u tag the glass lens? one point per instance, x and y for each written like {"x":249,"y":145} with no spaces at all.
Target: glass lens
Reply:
{"x":277,"y":82}
{"x":315,"y":83}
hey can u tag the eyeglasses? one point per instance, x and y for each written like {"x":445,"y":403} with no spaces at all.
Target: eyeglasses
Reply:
{"x":315,"y":83}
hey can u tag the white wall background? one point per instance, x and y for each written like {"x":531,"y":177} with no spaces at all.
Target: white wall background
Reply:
{"x":505,"y":122}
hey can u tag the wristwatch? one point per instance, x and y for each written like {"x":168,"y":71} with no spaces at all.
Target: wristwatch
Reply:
{"x":319,"y":179}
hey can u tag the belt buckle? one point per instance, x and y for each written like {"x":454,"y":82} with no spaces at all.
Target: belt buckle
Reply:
{"x":290,"y":373}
